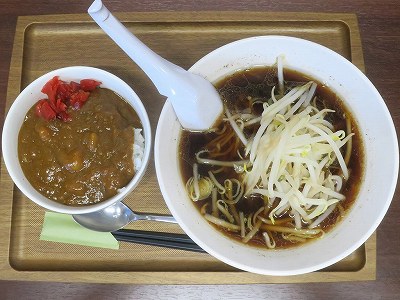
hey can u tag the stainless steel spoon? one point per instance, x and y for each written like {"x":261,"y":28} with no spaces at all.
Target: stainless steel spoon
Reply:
{"x":115,"y":217}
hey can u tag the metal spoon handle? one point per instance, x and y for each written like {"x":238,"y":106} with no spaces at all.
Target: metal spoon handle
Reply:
{"x":159,"y":218}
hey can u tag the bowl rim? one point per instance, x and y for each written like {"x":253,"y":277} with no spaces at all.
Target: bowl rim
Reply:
{"x":167,"y":109}
{"x":68,"y":74}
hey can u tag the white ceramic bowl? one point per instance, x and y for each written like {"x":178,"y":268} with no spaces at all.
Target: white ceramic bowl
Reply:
{"x":30,"y":95}
{"x":378,"y":134}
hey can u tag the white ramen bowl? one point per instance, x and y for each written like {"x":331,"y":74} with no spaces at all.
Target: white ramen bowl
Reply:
{"x":380,"y":145}
{"x":30,"y":95}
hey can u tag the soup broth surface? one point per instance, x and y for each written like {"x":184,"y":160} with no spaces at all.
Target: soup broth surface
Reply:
{"x":254,"y":86}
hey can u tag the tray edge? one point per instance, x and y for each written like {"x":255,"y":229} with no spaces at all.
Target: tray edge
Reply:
{"x":368,"y":272}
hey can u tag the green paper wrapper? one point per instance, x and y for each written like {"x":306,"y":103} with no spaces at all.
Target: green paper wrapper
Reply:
{"x":62,"y":228}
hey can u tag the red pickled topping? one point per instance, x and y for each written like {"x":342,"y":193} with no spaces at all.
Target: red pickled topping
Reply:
{"x":62,"y":95}
{"x":44,"y":110}
{"x":74,"y":86}
{"x":50,"y":88}
{"x":64,"y":116}
{"x":89,"y":85}
{"x":63,"y":91}
{"x":78,"y":99}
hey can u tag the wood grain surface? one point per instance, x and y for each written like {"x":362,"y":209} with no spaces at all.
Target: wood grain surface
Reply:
{"x":42,"y":43}
{"x":379,"y":25}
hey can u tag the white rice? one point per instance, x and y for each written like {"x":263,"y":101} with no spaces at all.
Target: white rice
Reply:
{"x":138,"y":149}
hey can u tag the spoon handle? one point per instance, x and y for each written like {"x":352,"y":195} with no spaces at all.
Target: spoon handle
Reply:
{"x":196,"y":102}
{"x":159,"y":70}
{"x":159,"y":218}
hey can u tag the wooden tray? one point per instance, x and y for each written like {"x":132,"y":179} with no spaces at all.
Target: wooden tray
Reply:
{"x":43,"y":43}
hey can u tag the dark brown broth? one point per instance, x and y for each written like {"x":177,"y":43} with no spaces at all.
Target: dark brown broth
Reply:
{"x":257,"y":83}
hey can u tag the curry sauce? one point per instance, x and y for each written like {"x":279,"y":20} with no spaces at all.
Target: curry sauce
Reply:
{"x":85,"y":160}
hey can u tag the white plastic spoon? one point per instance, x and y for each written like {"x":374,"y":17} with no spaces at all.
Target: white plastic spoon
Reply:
{"x":194,"y":99}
